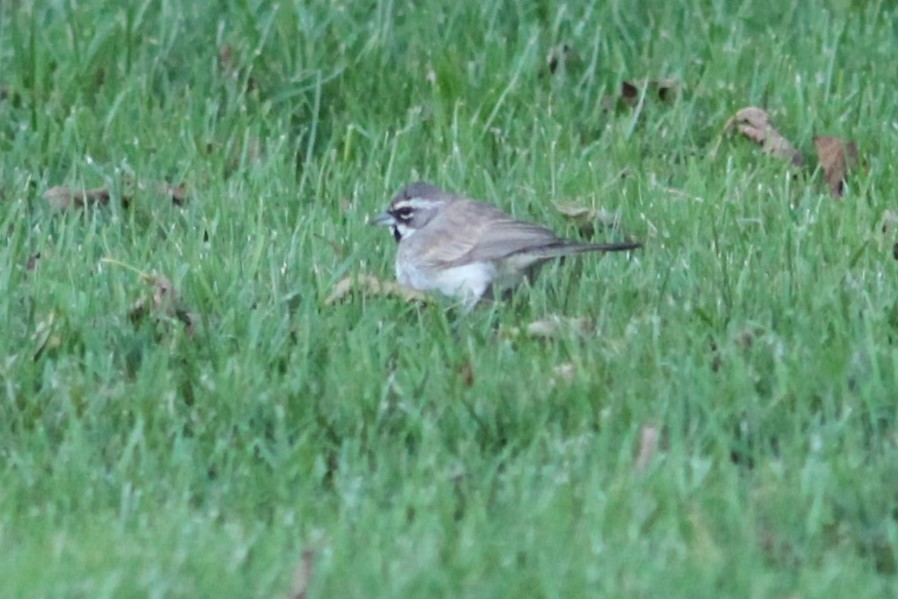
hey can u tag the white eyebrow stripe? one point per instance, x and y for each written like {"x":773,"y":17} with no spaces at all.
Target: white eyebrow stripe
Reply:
{"x":417,"y":203}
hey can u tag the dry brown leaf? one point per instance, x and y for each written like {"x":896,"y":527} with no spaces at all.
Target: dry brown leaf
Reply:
{"x":165,"y":296}
{"x":466,"y":371}
{"x":716,"y":359}
{"x":755,"y":124}
{"x":44,"y":336}
{"x":226,"y":59}
{"x":587,"y":219}
{"x":648,"y":446}
{"x":302,"y":578}
{"x":369,"y":285}
{"x":61,"y":198}
{"x":165,"y":300}
{"x":190,"y":320}
{"x":889,"y":222}
{"x":33,"y":261}
{"x":557,"y":326}
{"x":551,"y":327}
{"x":779,"y":550}
{"x":561,"y":57}
{"x":745,"y":338}
{"x":177,"y":194}
{"x":664,"y":90}
{"x":629,"y":93}
{"x":564,"y":372}
{"x":888,"y":226}
{"x":508,"y":333}
{"x":667,"y":89}
{"x":229,"y":66}
{"x":837,"y":156}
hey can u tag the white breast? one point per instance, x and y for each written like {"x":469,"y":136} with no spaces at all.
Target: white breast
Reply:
{"x":467,"y":282}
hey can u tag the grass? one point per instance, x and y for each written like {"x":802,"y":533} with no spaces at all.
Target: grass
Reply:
{"x":411,"y":450}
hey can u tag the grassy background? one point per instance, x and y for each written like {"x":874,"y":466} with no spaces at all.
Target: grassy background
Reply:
{"x":412,"y":451}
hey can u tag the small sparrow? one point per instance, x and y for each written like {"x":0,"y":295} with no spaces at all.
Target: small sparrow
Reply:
{"x":469,"y":249}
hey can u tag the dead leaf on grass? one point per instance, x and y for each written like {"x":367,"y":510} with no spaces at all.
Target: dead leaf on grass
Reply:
{"x":889,"y":222}
{"x":165,"y":297}
{"x":165,"y":300}
{"x":745,"y":338}
{"x":10,"y":94}
{"x":162,"y":300}
{"x":648,"y":446}
{"x":742,"y":339}
{"x":44,"y":336}
{"x":587,"y":220}
{"x":563,"y":373}
{"x":61,"y":197}
{"x":716,"y":359}
{"x":837,"y":156}
{"x":229,"y":67}
{"x":778,"y":550}
{"x":302,"y":578}
{"x":557,"y":326}
{"x":34,"y":261}
{"x":561,"y":57}
{"x":551,"y":327}
{"x":178,"y":194}
{"x":370,"y":285}
{"x":664,"y":90}
{"x":226,"y":59}
{"x":755,"y":124}
{"x":466,"y":372}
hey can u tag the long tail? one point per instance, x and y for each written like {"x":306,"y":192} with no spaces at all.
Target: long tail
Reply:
{"x":566,"y":248}
{"x":606,"y":247}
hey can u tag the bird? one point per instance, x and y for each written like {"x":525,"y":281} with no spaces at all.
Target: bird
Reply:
{"x":469,"y":249}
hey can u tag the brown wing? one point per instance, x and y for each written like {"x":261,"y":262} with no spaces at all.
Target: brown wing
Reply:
{"x":473,"y":231}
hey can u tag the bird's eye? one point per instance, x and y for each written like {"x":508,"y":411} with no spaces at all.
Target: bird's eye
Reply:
{"x":403,"y":213}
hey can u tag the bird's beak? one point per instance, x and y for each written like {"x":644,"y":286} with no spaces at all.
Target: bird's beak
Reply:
{"x":384,"y":219}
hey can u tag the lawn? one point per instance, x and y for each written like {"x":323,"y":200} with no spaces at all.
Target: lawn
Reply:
{"x":185,"y":414}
